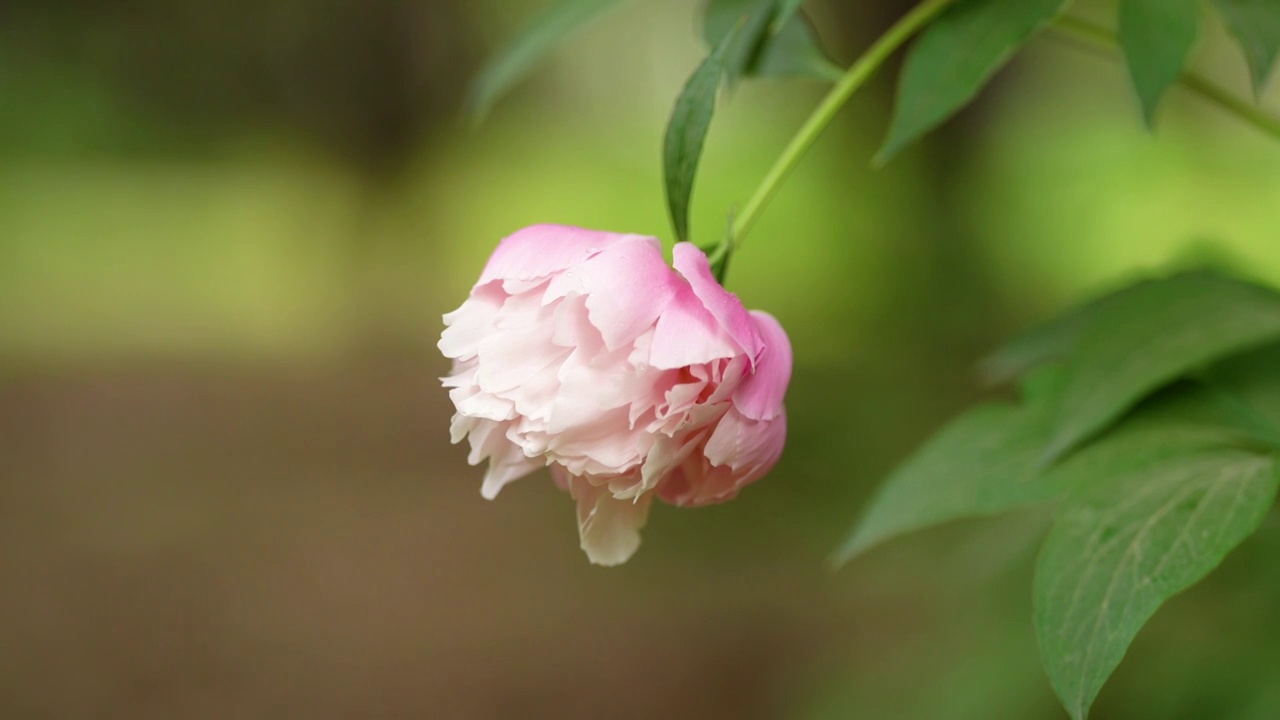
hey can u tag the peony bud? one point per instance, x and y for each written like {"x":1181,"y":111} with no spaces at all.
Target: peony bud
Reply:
{"x":583,"y":351}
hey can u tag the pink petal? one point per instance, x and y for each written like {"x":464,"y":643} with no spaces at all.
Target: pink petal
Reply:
{"x":747,"y":446}
{"x":687,"y":334}
{"x":627,"y":286}
{"x":574,"y":330}
{"x":606,"y":445}
{"x":760,"y":395}
{"x":539,"y":251}
{"x":723,"y":305}
{"x":730,"y":377}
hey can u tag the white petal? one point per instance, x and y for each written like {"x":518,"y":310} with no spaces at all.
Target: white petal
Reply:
{"x":501,"y":474}
{"x":470,"y":324}
{"x":460,"y":426}
{"x":664,"y":456}
{"x":609,"y":528}
{"x":471,"y":402}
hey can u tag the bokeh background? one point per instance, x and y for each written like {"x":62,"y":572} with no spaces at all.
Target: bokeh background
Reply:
{"x":228,"y":230}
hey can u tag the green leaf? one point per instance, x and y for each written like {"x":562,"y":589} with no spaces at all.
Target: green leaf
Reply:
{"x":1246,"y":390}
{"x":794,"y":51}
{"x":1150,"y":335}
{"x":955,"y":57}
{"x":983,"y":462}
{"x":502,"y":73}
{"x":1255,"y":377}
{"x":1256,"y":25}
{"x":987,"y":461}
{"x":1123,"y":545}
{"x":1156,"y":37}
{"x":790,"y":50}
{"x":786,"y":9}
{"x":687,"y":131}
{"x":1046,"y":342}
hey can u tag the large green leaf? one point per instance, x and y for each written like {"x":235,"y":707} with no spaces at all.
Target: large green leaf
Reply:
{"x":1125,"y":544}
{"x":1250,"y":384}
{"x":987,"y":461}
{"x":1049,"y":341}
{"x":955,"y":57}
{"x":1154,"y":333}
{"x":687,"y":131}
{"x":1255,"y":377}
{"x":1156,"y":37}
{"x":1256,"y":25}
{"x":787,"y":47}
{"x":502,"y":73}
{"x":983,"y":462}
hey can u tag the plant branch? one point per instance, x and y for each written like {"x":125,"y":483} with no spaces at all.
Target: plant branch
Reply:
{"x":1199,"y":84}
{"x":855,"y":77}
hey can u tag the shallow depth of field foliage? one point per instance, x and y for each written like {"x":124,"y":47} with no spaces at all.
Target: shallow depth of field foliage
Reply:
{"x":1029,"y":272}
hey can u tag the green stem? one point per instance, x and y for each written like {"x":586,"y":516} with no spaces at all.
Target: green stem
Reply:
{"x":855,"y":77}
{"x":1202,"y":86}
{"x":862,"y":70}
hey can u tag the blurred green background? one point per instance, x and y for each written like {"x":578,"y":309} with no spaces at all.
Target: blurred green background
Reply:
{"x":228,"y":231}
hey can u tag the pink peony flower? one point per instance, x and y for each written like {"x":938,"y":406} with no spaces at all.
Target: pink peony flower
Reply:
{"x":583,"y":351}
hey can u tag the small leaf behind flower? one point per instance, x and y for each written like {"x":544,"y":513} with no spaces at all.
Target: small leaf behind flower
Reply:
{"x":1156,"y":37}
{"x":1256,"y":26}
{"x":780,"y":48}
{"x":1126,"y":543}
{"x":691,"y":118}
{"x":505,"y":70}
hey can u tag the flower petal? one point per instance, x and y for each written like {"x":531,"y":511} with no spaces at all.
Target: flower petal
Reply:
{"x":748,"y":447}
{"x":627,"y":286}
{"x":608,"y":528}
{"x":471,"y":323}
{"x":504,"y":471}
{"x":687,"y":334}
{"x":519,"y":347}
{"x":665,"y":455}
{"x":690,"y":262}
{"x":539,"y":251}
{"x":760,"y":395}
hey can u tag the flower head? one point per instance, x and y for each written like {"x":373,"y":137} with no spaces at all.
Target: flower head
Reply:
{"x":585,"y":352}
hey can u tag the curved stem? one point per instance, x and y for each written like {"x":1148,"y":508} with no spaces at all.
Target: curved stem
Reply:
{"x":1199,"y":84}
{"x":866,"y":65}
{"x":855,"y":77}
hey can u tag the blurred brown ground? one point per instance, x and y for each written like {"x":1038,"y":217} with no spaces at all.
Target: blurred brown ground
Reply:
{"x":184,"y":543}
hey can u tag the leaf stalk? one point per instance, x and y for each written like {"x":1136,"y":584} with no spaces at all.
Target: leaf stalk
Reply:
{"x":854,"y":78}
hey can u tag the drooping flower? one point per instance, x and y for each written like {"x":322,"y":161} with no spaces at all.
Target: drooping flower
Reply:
{"x":585,"y":352}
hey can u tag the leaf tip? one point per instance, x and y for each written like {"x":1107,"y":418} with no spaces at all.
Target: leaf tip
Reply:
{"x":857,"y":544}
{"x":841,"y":557}
{"x":882,"y":157}
{"x":474,"y":116}
{"x":1149,"y":109}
